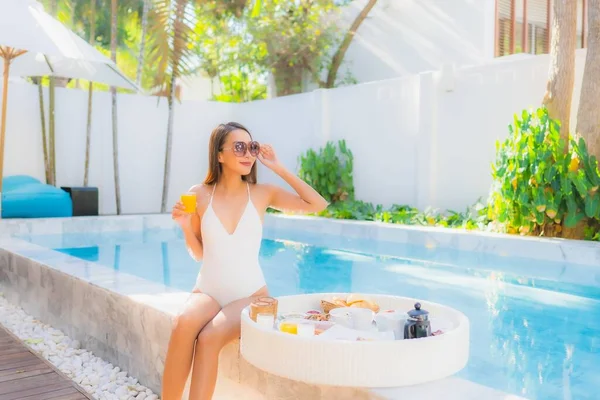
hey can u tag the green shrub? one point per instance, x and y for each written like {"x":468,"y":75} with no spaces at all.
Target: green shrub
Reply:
{"x":475,"y":217}
{"x":329,"y":171}
{"x":538,"y":187}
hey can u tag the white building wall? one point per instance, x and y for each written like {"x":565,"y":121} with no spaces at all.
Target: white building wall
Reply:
{"x":423,"y":140}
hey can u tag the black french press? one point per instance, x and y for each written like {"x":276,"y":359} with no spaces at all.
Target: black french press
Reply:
{"x":418,"y":324}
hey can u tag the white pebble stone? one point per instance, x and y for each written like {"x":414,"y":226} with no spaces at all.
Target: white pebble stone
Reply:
{"x":97,"y":377}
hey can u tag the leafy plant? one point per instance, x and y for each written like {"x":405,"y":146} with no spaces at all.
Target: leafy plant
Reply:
{"x":356,"y":210}
{"x":475,"y":217}
{"x":538,"y":187}
{"x":329,"y":171}
{"x":592,"y":233}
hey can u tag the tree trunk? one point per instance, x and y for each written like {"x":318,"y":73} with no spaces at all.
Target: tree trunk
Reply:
{"x":113,"y":92}
{"x":88,"y":128}
{"x":52,"y":130}
{"x":588,"y":114}
{"x":51,"y":120}
{"x":339,"y":55}
{"x":561,"y":77}
{"x":288,"y":80}
{"x":140,"y":65}
{"x":47,"y":174}
{"x":167,"y":169}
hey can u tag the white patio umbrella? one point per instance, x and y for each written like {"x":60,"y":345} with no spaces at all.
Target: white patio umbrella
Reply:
{"x":32,"y":43}
{"x":38,"y":64}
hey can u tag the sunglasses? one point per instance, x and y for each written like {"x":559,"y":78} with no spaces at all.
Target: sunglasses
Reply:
{"x":240,"y":148}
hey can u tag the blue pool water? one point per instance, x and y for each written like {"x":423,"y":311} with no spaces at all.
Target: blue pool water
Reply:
{"x":530,"y":335}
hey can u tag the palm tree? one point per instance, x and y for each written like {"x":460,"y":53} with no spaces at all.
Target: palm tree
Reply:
{"x":172,"y":27}
{"x":142,"y":43}
{"x":175,"y":36}
{"x":88,"y":132}
{"x":113,"y":91}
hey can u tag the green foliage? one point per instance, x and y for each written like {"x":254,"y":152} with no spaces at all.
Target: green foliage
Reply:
{"x":592,"y":232}
{"x":237,"y":43}
{"x":240,"y":87}
{"x":329,"y":171}
{"x":229,"y":56}
{"x":299,"y":36}
{"x":474,"y":217}
{"x":538,"y":187}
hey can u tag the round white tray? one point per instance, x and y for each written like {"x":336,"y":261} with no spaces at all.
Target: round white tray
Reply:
{"x":358,"y":363}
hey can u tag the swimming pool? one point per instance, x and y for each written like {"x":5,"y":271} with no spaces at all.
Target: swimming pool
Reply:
{"x":532,"y":334}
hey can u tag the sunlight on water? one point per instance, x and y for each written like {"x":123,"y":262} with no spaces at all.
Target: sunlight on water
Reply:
{"x":530,"y":336}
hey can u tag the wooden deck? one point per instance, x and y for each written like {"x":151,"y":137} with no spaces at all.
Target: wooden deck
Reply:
{"x":26,"y":376}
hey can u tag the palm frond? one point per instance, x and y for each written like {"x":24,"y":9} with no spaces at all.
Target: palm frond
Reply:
{"x":172,"y":23}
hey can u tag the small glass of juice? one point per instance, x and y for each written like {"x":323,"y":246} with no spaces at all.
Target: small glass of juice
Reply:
{"x":189,"y":202}
{"x":288,"y":327}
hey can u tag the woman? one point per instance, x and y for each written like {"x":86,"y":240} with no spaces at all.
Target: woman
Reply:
{"x":225,"y":232}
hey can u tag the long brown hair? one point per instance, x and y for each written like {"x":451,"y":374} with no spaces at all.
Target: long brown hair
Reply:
{"x":215,"y":145}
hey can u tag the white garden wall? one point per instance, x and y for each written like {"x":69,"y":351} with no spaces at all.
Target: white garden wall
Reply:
{"x":423,"y":140}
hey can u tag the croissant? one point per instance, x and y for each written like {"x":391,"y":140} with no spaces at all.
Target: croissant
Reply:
{"x":339,"y":301}
{"x":354,"y":297}
{"x":366,"y":304}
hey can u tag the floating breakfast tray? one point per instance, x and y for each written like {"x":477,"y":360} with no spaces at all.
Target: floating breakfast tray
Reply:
{"x":348,"y":363}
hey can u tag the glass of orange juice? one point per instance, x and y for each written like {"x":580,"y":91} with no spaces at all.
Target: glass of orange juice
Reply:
{"x":189,"y":202}
{"x":288,"y":327}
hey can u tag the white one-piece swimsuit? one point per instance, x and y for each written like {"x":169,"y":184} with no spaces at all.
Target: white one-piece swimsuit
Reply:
{"x":230,"y":268}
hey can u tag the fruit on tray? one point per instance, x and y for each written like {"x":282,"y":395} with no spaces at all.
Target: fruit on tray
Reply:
{"x":317,"y":317}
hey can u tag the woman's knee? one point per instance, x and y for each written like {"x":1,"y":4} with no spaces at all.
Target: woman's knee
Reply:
{"x":210,"y":338}
{"x":185,"y":323}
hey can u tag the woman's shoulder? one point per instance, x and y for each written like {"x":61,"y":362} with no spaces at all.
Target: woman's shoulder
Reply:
{"x":201,"y":190}
{"x":265,"y":191}
{"x":263,"y":187}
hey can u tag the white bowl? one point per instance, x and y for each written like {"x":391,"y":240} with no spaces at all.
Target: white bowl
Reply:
{"x":353,"y":317}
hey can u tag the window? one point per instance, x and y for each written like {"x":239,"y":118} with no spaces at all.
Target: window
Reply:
{"x":522,"y":26}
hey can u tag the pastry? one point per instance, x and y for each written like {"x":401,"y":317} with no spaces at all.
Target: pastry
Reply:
{"x":339,"y":301}
{"x":362,"y":302}
{"x":354,"y":297}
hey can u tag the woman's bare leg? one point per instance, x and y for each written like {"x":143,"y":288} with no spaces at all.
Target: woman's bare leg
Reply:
{"x":222,"y":329}
{"x":198,"y":311}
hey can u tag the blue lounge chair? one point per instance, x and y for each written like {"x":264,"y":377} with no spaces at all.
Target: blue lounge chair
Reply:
{"x":26,"y":197}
